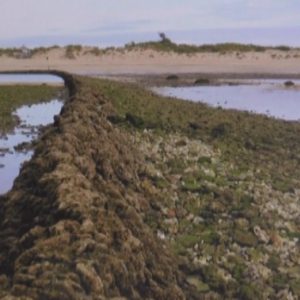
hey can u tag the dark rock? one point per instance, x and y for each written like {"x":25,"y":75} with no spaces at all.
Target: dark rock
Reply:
{"x":221,"y":130}
{"x":116,"y":119}
{"x":172,"y":77}
{"x":289,"y":83}
{"x":23,"y":147}
{"x":194,"y":125}
{"x":202,"y":81}
{"x":134,"y":120}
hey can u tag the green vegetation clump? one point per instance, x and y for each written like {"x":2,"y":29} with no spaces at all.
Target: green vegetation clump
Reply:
{"x":10,"y":52}
{"x":165,"y":44}
{"x":282,"y":48}
{"x":273,"y":262}
{"x":134,"y":120}
{"x":220,"y":130}
{"x":17,"y":52}
{"x":249,"y":292}
{"x":43,"y":50}
{"x":95,"y":51}
{"x":72,"y":51}
{"x":245,"y":238}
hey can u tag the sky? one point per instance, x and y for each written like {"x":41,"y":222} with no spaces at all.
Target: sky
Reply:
{"x":115,"y":22}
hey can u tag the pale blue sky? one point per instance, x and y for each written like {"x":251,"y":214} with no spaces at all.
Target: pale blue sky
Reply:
{"x":104,"y":22}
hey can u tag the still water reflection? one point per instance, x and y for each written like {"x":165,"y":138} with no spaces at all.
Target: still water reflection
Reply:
{"x":268,"y":97}
{"x":32,"y":117}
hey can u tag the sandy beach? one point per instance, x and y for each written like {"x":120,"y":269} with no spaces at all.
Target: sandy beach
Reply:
{"x":115,"y":62}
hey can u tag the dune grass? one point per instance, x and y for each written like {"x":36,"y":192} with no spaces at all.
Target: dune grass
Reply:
{"x":167,"y":45}
{"x":163,"y":45}
{"x":14,"y":96}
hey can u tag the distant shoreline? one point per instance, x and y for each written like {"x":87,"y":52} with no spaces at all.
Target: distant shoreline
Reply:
{"x":186,"y":79}
{"x":158,"y":58}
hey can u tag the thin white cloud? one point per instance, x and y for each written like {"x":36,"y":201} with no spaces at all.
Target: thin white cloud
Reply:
{"x":29,"y":18}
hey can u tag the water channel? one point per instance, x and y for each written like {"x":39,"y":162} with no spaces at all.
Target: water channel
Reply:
{"x":269,"y":97}
{"x":14,"y":150}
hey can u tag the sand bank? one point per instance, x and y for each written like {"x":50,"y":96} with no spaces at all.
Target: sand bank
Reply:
{"x":152,"y":62}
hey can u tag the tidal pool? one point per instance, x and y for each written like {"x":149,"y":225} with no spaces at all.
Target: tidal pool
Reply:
{"x":30,"y":78}
{"x":269,"y":97}
{"x":31,"y":118}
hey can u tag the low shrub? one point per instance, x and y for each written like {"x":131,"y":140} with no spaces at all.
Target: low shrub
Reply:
{"x":202,"y":81}
{"x":172,"y":77}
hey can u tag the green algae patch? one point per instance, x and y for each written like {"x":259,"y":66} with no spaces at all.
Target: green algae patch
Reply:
{"x":245,"y":238}
{"x":14,"y":96}
{"x":200,"y":286}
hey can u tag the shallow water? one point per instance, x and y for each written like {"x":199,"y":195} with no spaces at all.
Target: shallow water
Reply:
{"x":268,"y":97}
{"x":31,"y":118}
{"x":30,"y":78}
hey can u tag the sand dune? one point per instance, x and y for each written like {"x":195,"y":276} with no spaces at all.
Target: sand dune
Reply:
{"x":150,"y":61}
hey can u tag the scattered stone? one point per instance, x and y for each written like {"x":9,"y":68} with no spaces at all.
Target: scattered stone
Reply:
{"x":261,"y":234}
{"x":161,"y":235}
{"x":4,"y":151}
{"x":198,"y":220}
{"x":236,"y":207}
{"x":23,"y":147}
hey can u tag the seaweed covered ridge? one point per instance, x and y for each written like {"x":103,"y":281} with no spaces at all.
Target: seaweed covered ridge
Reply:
{"x":72,"y":226}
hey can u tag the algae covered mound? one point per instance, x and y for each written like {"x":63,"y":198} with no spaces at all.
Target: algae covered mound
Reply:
{"x":72,"y":227}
